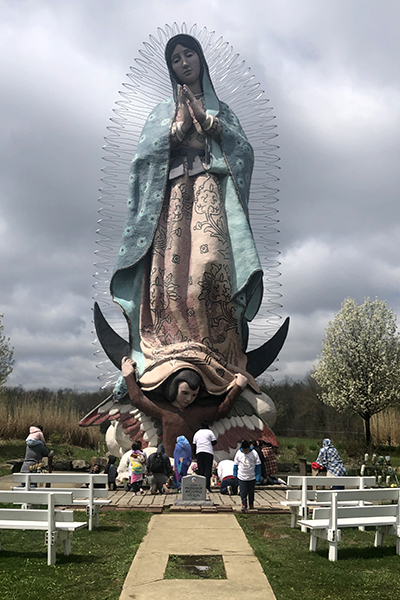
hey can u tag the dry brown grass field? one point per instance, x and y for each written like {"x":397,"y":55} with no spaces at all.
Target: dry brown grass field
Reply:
{"x":384,"y":424}
{"x":58,"y":419}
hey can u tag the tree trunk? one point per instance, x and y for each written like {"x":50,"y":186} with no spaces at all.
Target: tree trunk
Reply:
{"x":367,"y":424}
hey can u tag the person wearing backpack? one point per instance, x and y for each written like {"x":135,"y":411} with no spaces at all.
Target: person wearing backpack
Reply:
{"x":159,"y":465}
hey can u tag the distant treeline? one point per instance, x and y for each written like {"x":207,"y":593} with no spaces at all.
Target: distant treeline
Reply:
{"x":301,"y":414}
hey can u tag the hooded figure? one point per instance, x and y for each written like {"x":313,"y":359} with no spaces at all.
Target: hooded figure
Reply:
{"x":111,"y":471}
{"x":35,"y":436}
{"x":182,"y":460}
{"x":329,"y":458}
{"x":188,"y":276}
{"x":35,"y":450}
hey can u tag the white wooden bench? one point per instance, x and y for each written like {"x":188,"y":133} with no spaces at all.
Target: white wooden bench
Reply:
{"x":57,"y":524}
{"x":93,"y":498}
{"x":328,"y":521}
{"x":299,"y":501}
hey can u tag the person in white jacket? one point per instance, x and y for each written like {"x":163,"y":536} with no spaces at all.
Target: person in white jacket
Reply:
{"x":248,"y":470}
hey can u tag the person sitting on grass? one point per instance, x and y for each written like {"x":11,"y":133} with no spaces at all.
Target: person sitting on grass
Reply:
{"x":248,"y":470}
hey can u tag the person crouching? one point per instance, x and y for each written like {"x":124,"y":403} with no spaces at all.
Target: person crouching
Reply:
{"x":229,"y":483}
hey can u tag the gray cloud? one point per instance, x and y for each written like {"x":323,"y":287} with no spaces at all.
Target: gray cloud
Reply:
{"x":331,"y":71}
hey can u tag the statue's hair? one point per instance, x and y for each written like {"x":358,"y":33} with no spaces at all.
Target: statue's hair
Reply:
{"x":192,"y":378}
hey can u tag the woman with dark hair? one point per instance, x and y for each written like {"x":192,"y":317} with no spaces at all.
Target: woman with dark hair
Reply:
{"x":188,"y":276}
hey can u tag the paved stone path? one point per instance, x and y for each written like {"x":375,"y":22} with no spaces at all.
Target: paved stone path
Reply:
{"x":266,"y":498}
{"x":195,"y":534}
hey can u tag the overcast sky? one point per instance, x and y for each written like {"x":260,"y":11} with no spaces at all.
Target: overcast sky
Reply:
{"x":332,"y":72}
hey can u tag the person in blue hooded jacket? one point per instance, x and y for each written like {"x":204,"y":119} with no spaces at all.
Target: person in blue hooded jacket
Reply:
{"x":247,"y":468}
{"x":188,"y":277}
{"x":182,"y":460}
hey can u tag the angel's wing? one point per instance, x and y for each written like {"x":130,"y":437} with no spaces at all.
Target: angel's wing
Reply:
{"x":135,"y":423}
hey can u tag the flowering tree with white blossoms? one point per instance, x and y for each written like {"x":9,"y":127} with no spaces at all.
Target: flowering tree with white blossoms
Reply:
{"x":359,"y":368}
{"x":6,"y":356}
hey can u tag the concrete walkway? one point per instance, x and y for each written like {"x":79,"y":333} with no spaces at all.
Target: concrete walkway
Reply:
{"x":195,"y":534}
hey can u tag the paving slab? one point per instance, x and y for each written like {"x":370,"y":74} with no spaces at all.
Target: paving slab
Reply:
{"x":195,"y":534}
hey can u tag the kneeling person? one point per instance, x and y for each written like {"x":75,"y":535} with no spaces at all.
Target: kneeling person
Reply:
{"x":159,"y":465}
{"x":229,"y":483}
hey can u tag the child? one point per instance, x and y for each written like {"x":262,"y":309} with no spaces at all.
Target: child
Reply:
{"x":137,"y":467}
{"x":247,"y":468}
{"x":111,"y":471}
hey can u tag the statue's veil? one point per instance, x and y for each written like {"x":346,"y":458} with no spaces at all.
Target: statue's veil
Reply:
{"x":148,"y":84}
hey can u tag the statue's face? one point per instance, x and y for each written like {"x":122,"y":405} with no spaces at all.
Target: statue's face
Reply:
{"x":186,"y":65}
{"x":185,"y":395}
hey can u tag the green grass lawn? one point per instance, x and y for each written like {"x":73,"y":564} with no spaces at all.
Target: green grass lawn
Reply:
{"x":101,"y":559}
{"x":96,"y":568}
{"x":362,"y":571}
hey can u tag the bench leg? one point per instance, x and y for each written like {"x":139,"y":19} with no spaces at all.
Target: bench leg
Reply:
{"x":89,"y":512}
{"x":293,"y":516}
{"x":397,"y":545}
{"x":313,"y":543}
{"x":378,"y":538}
{"x":51,"y":547}
{"x":332,"y":555}
{"x":96,"y":515}
{"x":66,"y":540}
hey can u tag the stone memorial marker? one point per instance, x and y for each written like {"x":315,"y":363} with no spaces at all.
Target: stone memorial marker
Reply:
{"x":194,"y":492}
